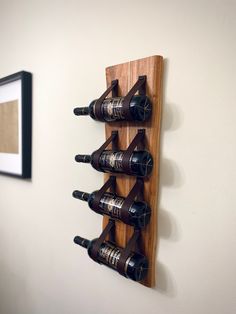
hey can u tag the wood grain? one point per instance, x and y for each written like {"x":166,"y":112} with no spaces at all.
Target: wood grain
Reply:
{"x":127,"y":74}
{"x":9,"y":127}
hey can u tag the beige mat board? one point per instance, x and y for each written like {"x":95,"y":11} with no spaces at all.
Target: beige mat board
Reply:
{"x":9,"y":137}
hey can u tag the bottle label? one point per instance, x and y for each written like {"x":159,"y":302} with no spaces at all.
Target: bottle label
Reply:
{"x":109,"y":254}
{"x":111,"y":160}
{"x":111,"y":205}
{"x":112,"y":109}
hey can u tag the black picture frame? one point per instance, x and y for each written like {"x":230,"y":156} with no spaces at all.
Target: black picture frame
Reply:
{"x":26,"y":122}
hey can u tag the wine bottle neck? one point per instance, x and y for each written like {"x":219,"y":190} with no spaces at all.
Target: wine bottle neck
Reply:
{"x":81,"y":111}
{"x":83,"y":158}
{"x":82,"y":241}
{"x":81,"y":195}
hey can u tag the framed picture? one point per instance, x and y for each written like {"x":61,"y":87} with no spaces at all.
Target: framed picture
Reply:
{"x":16,"y":124}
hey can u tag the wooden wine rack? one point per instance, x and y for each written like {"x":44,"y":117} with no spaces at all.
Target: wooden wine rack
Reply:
{"x":127,"y":74}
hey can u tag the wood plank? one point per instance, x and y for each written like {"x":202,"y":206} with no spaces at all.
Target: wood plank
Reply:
{"x":127,"y":74}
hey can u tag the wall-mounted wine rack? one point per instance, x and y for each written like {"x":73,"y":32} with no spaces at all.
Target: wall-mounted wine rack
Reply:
{"x":145,"y":77}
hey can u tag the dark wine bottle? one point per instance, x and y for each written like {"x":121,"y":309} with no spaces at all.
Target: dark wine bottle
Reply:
{"x":137,"y":215}
{"x":112,"y":109}
{"x":136,"y":265}
{"x":140,"y":164}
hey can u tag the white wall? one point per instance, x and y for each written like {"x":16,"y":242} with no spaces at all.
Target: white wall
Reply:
{"x":67,"y":45}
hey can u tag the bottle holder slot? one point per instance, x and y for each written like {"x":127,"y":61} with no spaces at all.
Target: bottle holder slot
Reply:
{"x":131,"y":247}
{"x":139,"y":86}
{"x":138,"y":141}
{"x":136,"y":193}
{"x":97,"y":154}
{"x":98,"y":105}
{"x":131,"y":210}
{"x":107,"y":232}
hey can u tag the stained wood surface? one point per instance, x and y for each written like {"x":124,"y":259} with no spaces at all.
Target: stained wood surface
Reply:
{"x":127,"y":74}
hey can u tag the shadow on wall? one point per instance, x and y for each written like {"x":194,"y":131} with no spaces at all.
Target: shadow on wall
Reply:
{"x":168,"y":229}
{"x":171,"y":176}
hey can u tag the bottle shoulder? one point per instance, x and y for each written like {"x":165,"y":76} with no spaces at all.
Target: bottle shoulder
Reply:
{"x":90,"y":246}
{"x":91,"y":109}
